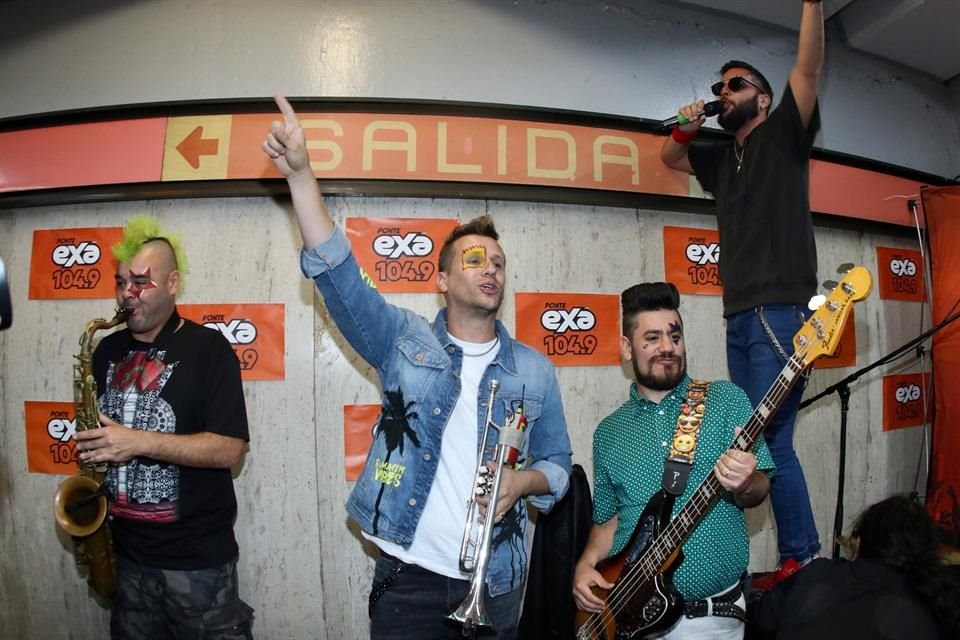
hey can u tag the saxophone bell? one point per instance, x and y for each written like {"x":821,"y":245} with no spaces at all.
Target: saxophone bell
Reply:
{"x":80,"y":506}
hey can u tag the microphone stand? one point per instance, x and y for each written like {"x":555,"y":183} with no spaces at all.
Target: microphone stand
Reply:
{"x":843,"y":390}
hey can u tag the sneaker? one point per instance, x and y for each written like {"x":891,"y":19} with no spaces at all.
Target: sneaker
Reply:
{"x":768,"y":581}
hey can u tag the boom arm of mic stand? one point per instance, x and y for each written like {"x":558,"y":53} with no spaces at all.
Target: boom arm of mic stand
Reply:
{"x":843,"y":390}
{"x":887,"y":358}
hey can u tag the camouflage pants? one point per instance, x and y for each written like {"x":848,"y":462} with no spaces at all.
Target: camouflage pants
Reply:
{"x":157,"y":604}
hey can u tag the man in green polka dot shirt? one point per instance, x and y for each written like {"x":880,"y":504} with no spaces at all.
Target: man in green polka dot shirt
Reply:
{"x":629,"y":448}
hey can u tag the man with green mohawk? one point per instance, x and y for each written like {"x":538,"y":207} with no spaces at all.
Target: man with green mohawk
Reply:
{"x":174,"y":422}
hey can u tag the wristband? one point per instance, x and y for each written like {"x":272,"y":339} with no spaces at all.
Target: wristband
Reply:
{"x":683,"y":137}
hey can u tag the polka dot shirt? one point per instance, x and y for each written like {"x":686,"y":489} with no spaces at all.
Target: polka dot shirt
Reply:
{"x":629,"y":448}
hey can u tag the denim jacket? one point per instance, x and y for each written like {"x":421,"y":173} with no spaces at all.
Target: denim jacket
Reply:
{"x":419,"y":370}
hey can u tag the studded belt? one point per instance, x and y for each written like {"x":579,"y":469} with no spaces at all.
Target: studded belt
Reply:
{"x":724,"y":605}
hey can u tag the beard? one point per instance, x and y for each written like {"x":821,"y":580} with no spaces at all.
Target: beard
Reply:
{"x":660,"y":382}
{"x":740,"y":114}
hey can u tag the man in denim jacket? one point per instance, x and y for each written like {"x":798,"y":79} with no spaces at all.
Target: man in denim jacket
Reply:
{"x":411,"y":499}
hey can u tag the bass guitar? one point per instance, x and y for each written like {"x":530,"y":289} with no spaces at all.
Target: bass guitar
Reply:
{"x":643,"y":600}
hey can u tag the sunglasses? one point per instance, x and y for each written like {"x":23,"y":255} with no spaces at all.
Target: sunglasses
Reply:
{"x":736,"y":83}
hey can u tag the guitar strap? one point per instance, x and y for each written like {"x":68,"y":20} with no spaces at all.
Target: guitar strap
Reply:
{"x":676,"y":467}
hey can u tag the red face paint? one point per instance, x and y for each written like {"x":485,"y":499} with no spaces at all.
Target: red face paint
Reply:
{"x":139,"y":282}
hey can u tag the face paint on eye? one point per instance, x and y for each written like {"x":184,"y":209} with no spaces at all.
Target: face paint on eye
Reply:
{"x":474,"y":257}
{"x":140,"y":282}
{"x":676,"y":328}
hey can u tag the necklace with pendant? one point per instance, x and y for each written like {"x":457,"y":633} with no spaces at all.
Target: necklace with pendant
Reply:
{"x":739,"y":155}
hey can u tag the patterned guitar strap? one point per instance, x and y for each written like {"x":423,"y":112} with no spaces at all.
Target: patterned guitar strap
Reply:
{"x":679,"y":462}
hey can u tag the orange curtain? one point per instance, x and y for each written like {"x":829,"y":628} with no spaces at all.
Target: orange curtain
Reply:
{"x":942,"y":209}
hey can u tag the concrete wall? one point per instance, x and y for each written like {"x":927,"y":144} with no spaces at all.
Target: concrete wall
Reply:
{"x":639,"y":58}
{"x":303,"y":566}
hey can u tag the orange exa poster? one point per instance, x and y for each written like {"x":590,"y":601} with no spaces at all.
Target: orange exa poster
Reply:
{"x":904,"y":401}
{"x":73,"y":263}
{"x":691,"y":260}
{"x":255,"y":331}
{"x":50,"y":446}
{"x":399,"y":254}
{"x":572,"y":329}
{"x":900,"y":274}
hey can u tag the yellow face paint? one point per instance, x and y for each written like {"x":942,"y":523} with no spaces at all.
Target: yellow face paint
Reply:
{"x":474,"y":257}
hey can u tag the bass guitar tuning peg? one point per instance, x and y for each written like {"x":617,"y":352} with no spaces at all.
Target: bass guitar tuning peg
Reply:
{"x":845,"y":267}
{"x":816,"y":301}
{"x":830,"y":285}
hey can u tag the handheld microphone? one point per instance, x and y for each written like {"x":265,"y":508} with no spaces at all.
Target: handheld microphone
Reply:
{"x":709,"y":110}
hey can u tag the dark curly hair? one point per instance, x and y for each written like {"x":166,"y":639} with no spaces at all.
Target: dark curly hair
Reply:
{"x":900,"y":532}
{"x":646,"y":296}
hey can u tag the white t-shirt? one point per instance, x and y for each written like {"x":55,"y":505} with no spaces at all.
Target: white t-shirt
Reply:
{"x":437,"y":541}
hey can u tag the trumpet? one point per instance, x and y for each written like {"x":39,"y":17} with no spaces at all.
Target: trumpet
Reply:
{"x":478,"y":535}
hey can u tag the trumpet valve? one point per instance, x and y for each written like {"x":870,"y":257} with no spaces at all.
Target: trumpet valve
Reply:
{"x":484,"y":482}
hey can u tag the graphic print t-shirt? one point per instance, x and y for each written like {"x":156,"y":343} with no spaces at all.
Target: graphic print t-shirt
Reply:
{"x":165,"y":515}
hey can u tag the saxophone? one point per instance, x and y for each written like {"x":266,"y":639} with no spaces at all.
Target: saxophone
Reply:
{"x":80,"y":504}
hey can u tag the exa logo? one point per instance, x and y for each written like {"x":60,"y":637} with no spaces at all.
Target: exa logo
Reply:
{"x":61,"y":429}
{"x":561,"y":320}
{"x":237,"y":331}
{"x":903,"y":268}
{"x":702,"y":254}
{"x":907,"y":393}
{"x":68,"y":255}
{"x":413,"y":244}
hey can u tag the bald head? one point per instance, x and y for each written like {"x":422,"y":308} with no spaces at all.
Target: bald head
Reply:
{"x":163,"y":254}
{"x":147,"y":285}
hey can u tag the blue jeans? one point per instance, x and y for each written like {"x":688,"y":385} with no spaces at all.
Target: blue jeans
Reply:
{"x":416,"y":603}
{"x":754,"y":363}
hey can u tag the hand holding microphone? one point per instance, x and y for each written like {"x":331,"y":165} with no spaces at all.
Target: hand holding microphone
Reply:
{"x":696,"y":112}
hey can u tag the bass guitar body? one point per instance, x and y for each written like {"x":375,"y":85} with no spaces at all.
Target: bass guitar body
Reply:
{"x":643,"y":601}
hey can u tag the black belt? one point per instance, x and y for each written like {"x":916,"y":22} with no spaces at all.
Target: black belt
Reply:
{"x":724,"y":605}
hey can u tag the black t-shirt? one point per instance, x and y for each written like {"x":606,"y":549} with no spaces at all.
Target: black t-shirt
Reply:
{"x":767,"y":249}
{"x":860,"y":600}
{"x":165,"y":515}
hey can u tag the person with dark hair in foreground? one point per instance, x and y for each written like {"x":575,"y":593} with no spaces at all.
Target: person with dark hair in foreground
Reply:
{"x":895,"y":587}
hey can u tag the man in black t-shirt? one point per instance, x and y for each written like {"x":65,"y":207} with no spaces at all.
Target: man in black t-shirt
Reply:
{"x":174,"y":422}
{"x":768,"y":258}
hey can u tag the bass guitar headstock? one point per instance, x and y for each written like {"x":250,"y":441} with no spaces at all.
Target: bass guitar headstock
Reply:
{"x":820,"y":335}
